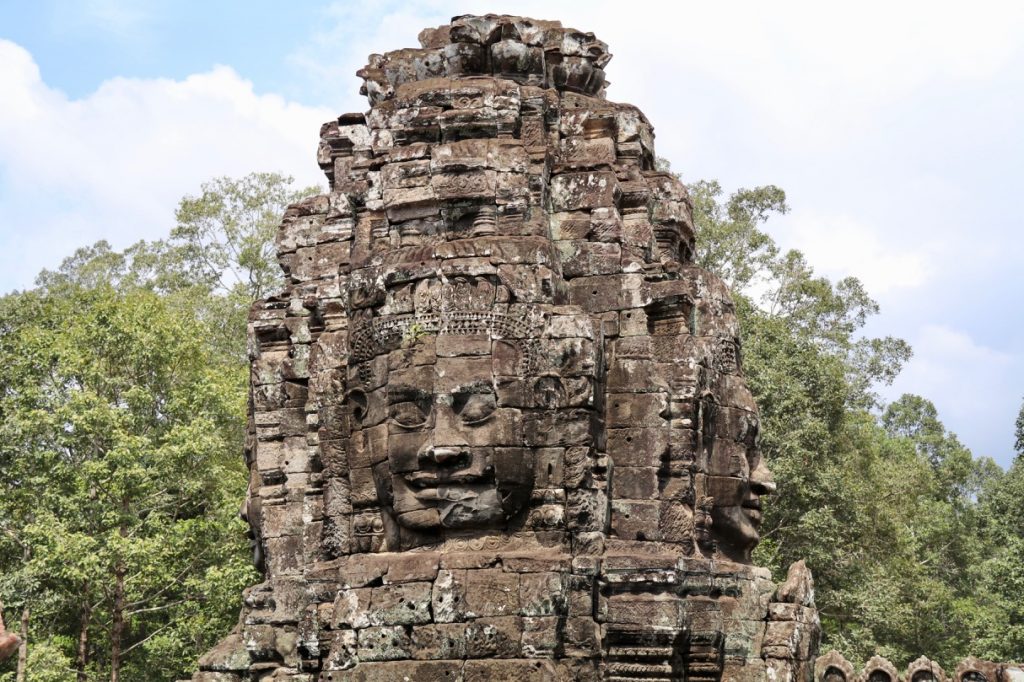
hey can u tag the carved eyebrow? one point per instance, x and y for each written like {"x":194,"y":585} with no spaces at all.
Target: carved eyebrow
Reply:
{"x":402,"y":393}
{"x":478,"y":386}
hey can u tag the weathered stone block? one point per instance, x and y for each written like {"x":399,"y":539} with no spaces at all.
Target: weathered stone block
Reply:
{"x":491,"y":592}
{"x":230,"y":655}
{"x":384,"y":644}
{"x":403,"y":604}
{"x":352,"y":608}
{"x":541,"y":594}
{"x":573,"y":191}
{"x":448,"y":597}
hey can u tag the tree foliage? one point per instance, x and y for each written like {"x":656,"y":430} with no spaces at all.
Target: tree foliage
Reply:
{"x":120,"y":472}
{"x":123,"y":405}
{"x":227,"y":232}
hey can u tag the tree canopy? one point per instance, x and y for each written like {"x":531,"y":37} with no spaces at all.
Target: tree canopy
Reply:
{"x":123,"y":404}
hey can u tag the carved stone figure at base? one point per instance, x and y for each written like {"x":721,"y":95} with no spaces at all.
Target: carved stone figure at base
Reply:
{"x":9,"y":642}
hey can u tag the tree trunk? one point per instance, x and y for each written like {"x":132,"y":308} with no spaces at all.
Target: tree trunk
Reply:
{"x":117,"y":624}
{"x":117,"y":611}
{"x":22,"y":669}
{"x":83,"y":643}
{"x":23,"y":647}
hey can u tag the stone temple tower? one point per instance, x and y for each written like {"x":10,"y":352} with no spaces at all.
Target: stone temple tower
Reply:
{"x":499,"y":423}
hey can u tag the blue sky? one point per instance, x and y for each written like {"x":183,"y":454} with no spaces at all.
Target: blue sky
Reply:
{"x":893,"y":127}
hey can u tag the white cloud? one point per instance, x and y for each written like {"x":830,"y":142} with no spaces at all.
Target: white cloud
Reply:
{"x":841,"y":245}
{"x":975,"y":387}
{"x":114,"y":164}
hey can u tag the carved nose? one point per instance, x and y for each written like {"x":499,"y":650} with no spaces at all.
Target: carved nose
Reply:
{"x":449,"y":458}
{"x":761,"y":480}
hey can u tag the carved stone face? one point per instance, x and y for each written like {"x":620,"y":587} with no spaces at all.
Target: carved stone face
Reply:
{"x":455,"y":456}
{"x":737,"y":474}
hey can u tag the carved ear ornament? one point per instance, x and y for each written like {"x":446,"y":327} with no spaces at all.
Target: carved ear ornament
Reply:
{"x":702,"y":524}
{"x":358,"y":400}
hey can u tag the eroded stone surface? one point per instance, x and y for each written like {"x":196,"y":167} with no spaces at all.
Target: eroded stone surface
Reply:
{"x":499,"y":424}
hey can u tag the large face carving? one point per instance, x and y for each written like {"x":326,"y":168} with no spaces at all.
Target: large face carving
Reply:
{"x":455,"y":456}
{"x":737,"y":475}
{"x":463,"y":406}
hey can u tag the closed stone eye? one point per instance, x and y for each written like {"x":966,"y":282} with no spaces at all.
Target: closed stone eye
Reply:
{"x":408,"y":414}
{"x":473,"y":407}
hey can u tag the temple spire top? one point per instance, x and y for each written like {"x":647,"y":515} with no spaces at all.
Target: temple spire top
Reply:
{"x":526,"y":51}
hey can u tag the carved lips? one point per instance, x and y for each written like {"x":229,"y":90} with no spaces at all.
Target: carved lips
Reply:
{"x":752,"y":505}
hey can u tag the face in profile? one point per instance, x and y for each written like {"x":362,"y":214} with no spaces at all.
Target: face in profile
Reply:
{"x":455,"y":457}
{"x":737,"y":475}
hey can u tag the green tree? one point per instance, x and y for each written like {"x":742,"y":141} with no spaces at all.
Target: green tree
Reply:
{"x":123,"y":409}
{"x":782,"y":286}
{"x":228,"y":231}
{"x":1018,"y":432}
{"x":999,"y":627}
{"x":731,"y":243}
{"x":916,"y":418}
{"x":120,"y":475}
